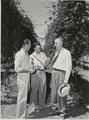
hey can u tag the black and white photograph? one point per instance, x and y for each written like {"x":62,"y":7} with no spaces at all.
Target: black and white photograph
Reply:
{"x":44,"y":59}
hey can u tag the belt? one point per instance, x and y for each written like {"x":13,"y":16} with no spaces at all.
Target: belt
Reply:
{"x":42,"y":69}
{"x":58,"y":70}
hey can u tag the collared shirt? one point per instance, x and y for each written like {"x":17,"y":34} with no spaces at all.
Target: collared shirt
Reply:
{"x":64,"y":62}
{"x":41,"y":56}
{"x":21,"y":61}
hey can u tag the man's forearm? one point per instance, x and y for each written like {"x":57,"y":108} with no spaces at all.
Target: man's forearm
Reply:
{"x":67,"y":75}
{"x":21,"y":70}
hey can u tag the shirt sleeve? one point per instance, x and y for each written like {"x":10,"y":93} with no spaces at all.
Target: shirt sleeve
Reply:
{"x":18,"y":62}
{"x":68,"y":66}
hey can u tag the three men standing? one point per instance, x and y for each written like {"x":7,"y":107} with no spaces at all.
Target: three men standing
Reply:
{"x":62,"y":66}
{"x":24,"y":65}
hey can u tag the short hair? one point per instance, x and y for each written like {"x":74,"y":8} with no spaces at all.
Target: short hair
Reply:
{"x":58,"y":38}
{"x":25,"y":42}
{"x":36,"y":43}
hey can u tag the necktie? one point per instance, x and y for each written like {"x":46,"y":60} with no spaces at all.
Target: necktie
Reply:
{"x":26,"y":53}
{"x":54,"y":59}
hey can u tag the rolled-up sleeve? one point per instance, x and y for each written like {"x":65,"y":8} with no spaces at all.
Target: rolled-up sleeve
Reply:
{"x":18,"y":62}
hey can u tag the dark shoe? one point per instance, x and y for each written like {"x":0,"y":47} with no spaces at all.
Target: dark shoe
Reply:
{"x":54,"y":112}
{"x":39,"y":109}
{"x":45,"y":106}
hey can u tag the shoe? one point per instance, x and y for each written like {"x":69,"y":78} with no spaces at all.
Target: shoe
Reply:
{"x":36,"y":109}
{"x":45,"y":106}
{"x":39,"y":110}
{"x":62,"y":113}
{"x":54,"y":106}
{"x":54,"y":112}
{"x":31,"y":109}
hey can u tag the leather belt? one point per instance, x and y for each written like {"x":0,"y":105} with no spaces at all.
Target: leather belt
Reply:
{"x":42,"y":69}
{"x":58,"y":70}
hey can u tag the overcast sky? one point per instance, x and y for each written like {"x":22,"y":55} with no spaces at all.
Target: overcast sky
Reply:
{"x":39,"y":12}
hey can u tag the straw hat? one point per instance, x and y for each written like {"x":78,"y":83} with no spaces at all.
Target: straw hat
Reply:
{"x":64,"y":90}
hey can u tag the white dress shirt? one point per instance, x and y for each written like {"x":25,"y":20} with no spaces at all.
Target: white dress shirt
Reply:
{"x":23,"y":78}
{"x":64,"y":62}
{"x":21,"y":61}
{"x":41,"y":56}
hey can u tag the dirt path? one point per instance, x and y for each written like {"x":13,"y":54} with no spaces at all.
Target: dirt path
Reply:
{"x":9,"y":111}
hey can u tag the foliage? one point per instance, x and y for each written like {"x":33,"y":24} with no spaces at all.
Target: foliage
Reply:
{"x":9,"y":88}
{"x":16,"y":26}
{"x":72,"y":22}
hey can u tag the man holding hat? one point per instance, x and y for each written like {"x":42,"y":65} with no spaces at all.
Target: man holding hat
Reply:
{"x":61,"y":69}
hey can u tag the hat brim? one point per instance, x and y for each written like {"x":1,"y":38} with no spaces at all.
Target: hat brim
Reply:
{"x":60,"y":89}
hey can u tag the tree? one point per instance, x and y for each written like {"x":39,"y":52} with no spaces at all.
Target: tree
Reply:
{"x":72,"y":22}
{"x":54,"y":28}
{"x":15,"y":26}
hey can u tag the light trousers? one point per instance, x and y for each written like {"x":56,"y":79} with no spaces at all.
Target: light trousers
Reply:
{"x":22,"y":83}
{"x":57,"y":80}
{"x":38,"y":89}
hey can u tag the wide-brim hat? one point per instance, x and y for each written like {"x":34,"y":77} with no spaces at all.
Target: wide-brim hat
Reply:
{"x":63,"y":90}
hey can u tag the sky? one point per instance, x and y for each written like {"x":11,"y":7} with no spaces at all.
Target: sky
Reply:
{"x":38,"y":11}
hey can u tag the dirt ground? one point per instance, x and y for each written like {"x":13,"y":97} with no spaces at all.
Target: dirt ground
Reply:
{"x":74,"y":111}
{"x":9,"y":111}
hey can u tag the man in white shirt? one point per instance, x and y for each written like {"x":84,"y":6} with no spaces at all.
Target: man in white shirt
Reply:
{"x":38,"y":80}
{"x":22,"y":68}
{"x":61,"y":69}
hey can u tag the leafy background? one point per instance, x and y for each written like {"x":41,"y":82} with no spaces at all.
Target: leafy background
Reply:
{"x":71,"y":19}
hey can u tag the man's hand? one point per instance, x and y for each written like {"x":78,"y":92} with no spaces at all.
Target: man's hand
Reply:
{"x":66,"y":81}
{"x":37,"y":67}
{"x":32,"y":70}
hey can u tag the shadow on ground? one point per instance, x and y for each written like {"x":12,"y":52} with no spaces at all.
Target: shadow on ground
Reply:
{"x":76,"y":111}
{"x":73,"y":112}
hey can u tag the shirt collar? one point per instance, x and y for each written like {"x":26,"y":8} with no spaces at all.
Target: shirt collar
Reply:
{"x":22,"y":50}
{"x":62,"y":49}
{"x":36,"y":54}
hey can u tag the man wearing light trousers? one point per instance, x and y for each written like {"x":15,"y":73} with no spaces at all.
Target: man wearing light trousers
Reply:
{"x":61,"y":69}
{"x":38,"y":79}
{"x":23,"y":70}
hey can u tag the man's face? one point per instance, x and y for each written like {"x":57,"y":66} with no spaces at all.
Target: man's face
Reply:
{"x":28,"y":46}
{"x":58,"y":43}
{"x":37,"y":48}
